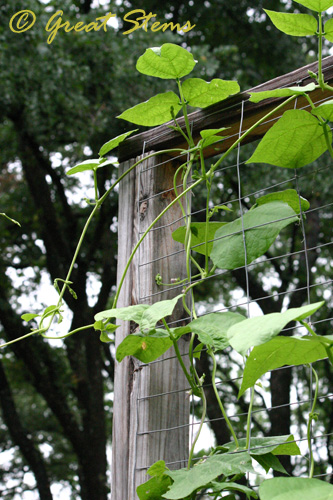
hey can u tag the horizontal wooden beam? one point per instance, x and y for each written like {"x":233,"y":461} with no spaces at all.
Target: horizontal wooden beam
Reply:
{"x":227,"y":114}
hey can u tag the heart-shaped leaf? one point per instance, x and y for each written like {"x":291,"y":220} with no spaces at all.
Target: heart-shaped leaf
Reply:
{"x":155,"y":111}
{"x":293,"y":24}
{"x":256,"y":331}
{"x":201,"y":94}
{"x":168,"y":62}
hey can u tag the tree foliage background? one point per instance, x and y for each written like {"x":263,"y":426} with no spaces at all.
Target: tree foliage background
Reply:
{"x":58,"y":104}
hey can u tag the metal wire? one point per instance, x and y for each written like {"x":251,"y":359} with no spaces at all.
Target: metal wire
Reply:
{"x":274,"y":260}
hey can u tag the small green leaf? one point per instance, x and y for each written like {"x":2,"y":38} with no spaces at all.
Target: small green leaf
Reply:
{"x":198,"y":235}
{"x":293,"y":24}
{"x":188,"y":481}
{"x":295,"y":140}
{"x":157,"y":311}
{"x":270,"y":461}
{"x":145,"y":348}
{"x":113,"y":143}
{"x":316,"y":5}
{"x":130,"y":313}
{"x":157,"y":469}
{"x":295,"y":488}
{"x":286,"y":92}
{"x":212,"y":328}
{"x":328,"y":30}
{"x":324,"y":110}
{"x":167,"y":62}
{"x":105,"y":338}
{"x":230,"y":486}
{"x":84,"y":165}
{"x":155,"y":111}
{"x":261,"y":225}
{"x":259,"y":330}
{"x":289,"y":196}
{"x":9,"y":218}
{"x":49,"y":311}
{"x":201,"y":94}
{"x":29,"y":316}
{"x":280,"y":351}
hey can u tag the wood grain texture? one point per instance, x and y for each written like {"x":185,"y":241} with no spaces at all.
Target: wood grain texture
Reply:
{"x":227,"y":114}
{"x":148,"y":398}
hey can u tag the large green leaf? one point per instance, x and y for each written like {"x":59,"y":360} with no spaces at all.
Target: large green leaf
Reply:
{"x":201,"y":94}
{"x":198,"y":235}
{"x":278,"y":445}
{"x":155,"y":111}
{"x":280,"y":351}
{"x":328,"y":29}
{"x":289,"y":196}
{"x":262,"y":225}
{"x":113,"y":143}
{"x":156,"y":312}
{"x":316,"y":5}
{"x":256,"y":331}
{"x":146,"y":348}
{"x":212,"y":328}
{"x":187,"y":481}
{"x":294,"y":141}
{"x":293,"y":24}
{"x":295,"y":488}
{"x":167,"y":62}
{"x":286,"y":92}
{"x":324,"y":110}
{"x":129,"y":313}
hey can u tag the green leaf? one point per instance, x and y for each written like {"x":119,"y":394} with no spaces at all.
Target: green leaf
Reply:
{"x":270,"y":461}
{"x":316,"y":5}
{"x":84,"y":165}
{"x":295,"y":140}
{"x":145,"y":348}
{"x":201,"y":94}
{"x":187,"y":481}
{"x":262,"y":225}
{"x":155,"y":111}
{"x":286,"y":92}
{"x":154,"y":488}
{"x":168,"y":62}
{"x":130,"y":313}
{"x":293,"y":24}
{"x":157,"y":469}
{"x":280,"y":351}
{"x":157,"y":311}
{"x":324,"y":110}
{"x":289,"y":196}
{"x":49,"y":311}
{"x":263,"y":445}
{"x":295,"y":488}
{"x":212,"y":328}
{"x":217,"y":487}
{"x":256,"y":331}
{"x":113,"y":143}
{"x":210,"y":136}
{"x":328,"y":30}
{"x":29,"y":316}
{"x":198,"y":235}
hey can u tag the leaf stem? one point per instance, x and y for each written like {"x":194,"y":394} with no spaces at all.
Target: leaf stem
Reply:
{"x":226,"y":418}
{"x":202,"y":420}
{"x":249,"y":415}
{"x":312,"y":416}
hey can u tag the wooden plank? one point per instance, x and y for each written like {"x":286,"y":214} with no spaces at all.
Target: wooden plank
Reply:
{"x":227,"y":113}
{"x":151,"y":397}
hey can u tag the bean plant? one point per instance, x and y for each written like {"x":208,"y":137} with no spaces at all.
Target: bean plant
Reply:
{"x":298,"y":138}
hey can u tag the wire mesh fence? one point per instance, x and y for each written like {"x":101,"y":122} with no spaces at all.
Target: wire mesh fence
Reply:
{"x":296,"y":270}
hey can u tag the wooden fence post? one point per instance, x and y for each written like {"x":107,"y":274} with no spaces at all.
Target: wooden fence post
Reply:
{"x":148,"y":399}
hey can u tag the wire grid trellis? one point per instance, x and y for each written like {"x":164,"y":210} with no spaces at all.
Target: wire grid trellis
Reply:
{"x":320,"y":286}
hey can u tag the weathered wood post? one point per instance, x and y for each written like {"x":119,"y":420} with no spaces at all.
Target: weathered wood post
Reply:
{"x":148,"y":399}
